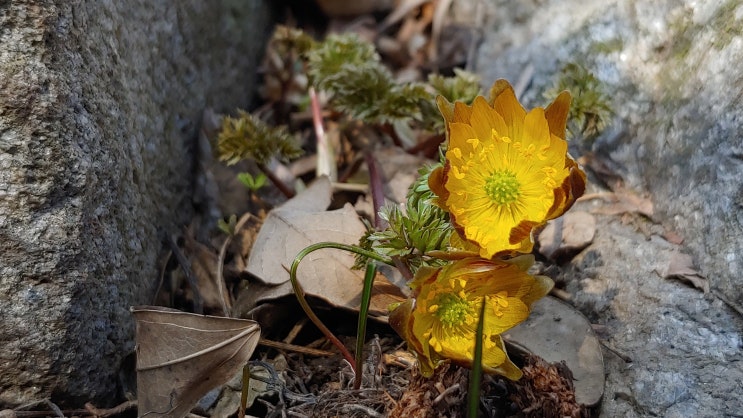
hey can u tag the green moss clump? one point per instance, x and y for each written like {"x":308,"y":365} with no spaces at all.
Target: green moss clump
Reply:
{"x":590,"y":110}
{"x":249,"y":138}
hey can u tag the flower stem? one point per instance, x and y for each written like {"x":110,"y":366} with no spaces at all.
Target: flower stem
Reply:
{"x":301,"y":298}
{"x":473,"y":396}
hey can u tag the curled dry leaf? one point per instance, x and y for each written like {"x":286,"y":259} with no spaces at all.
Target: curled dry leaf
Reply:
{"x":566,"y":236}
{"x":621,"y":201}
{"x":182,"y":356}
{"x":204,"y":266}
{"x":556,"y":332}
{"x":326,"y":273}
{"x":681,"y":266}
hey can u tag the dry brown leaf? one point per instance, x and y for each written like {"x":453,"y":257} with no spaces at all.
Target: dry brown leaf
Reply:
{"x":399,"y":170}
{"x":204,"y":267}
{"x":681,"y":267}
{"x":182,"y":356}
{"x":568,"y":235}
{"x":622,"y":201}
{"x":557,"y":332}
{"x":326,"y":273}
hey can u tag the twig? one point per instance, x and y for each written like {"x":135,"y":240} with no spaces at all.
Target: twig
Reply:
{"x":54,"y":408}
{"x":116,"y":410}
{"x":296,"y":348}
{"x":294,"y":331}
{"x":449,"y":390}
{"x":369,"y":412}
{"x":283,"y":188}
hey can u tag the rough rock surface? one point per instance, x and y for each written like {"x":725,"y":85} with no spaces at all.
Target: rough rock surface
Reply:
{"x":672,"y":70}
{"x":99,"y":110}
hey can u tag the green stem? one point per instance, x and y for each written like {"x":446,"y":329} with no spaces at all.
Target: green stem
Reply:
{"x":371,"y":270}
{"x":301,"y":298}
{"x":473,"y":397}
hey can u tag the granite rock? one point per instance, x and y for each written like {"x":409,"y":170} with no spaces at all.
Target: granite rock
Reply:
{"x":671,"y":69}
{"x":99,"y":110}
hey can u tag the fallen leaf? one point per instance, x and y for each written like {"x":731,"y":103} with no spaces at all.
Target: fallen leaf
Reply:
{"x":566,"y":236}
{"x":325,"y":273}
{"x":621,"y":201}
{"x":681,"y":267}
{"x":182,"y":356}
{"x":204,"y":267}
{"x":399,"y":170}
{"x":555,"y":331}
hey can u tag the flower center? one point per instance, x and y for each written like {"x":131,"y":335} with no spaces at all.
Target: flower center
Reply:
{"x":453,"y":310}
{"x":503,"y":187}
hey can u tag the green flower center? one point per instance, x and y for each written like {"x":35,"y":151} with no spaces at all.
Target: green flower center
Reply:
{"x":503,"y":187}
{"x":453,"y":310}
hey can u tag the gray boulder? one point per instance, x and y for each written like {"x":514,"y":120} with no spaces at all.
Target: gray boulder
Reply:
{"x":100,"y":104}
{"x":672,"y":69}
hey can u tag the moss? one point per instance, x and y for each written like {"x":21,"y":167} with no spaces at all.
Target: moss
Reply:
{"x":607,"y":47}
{"x":591,"y":109}
{"x":728,"y":27}
{"x":723,"y":22}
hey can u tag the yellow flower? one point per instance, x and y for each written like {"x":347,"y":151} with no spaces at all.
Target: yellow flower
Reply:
{"x":507,"y":171}
{"x":441,"y":322}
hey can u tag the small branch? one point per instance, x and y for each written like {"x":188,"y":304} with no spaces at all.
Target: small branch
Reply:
{"x":295,"y":348}
{"x":117,"y":410}
{"x":283,"y":188}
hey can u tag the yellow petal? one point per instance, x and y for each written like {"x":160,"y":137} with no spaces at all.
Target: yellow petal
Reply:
{"x":508,"y":106}
{"x":557,"y":114}
{"x":446,"y":108}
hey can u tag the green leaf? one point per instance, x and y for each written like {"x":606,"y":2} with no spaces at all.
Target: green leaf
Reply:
{"x":227,"y":227}
{"x":252,"y":183}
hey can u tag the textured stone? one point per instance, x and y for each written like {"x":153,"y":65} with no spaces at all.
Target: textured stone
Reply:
{"x":99,"y":110}
{"x":672,"y":71}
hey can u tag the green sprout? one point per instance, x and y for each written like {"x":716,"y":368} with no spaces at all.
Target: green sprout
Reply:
{"x":228,"y":227}
{"x":249,"y":138}
{"x":252,"y":183}
{"x":421,"y":228}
